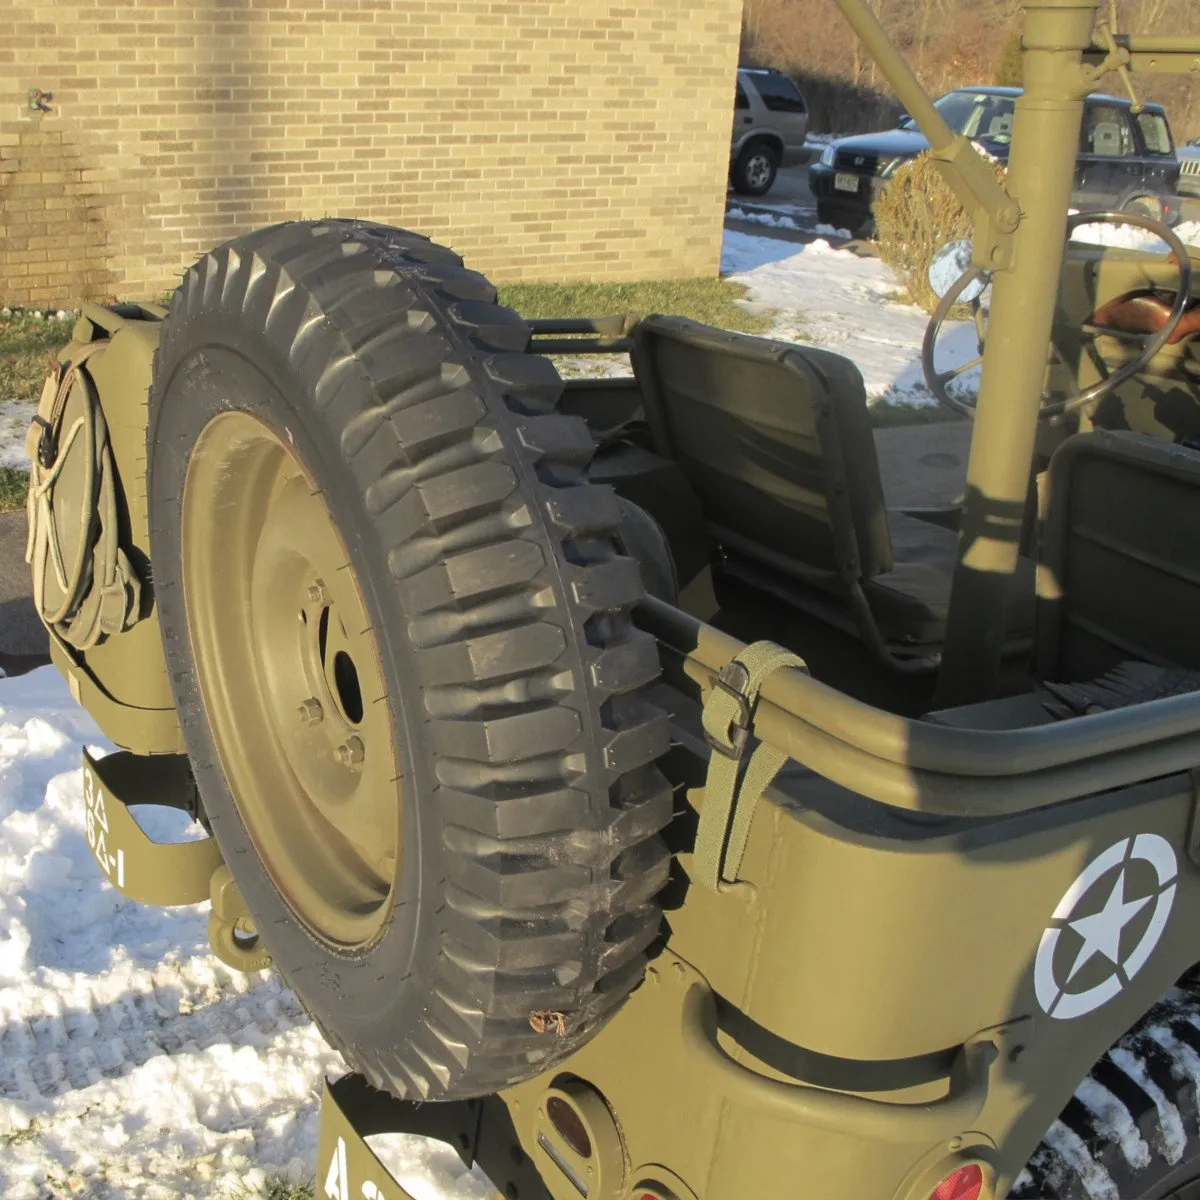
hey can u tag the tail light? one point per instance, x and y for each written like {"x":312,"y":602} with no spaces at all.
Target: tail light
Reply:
{"x":964,"y":1184}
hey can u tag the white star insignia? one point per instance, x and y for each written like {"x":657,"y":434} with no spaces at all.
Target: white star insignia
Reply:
{"x":1101,"y":932}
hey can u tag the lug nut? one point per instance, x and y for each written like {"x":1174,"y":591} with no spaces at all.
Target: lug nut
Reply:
{"x":316,"y":592}
{"x":350,"y":752}
{"x":311,"y":712}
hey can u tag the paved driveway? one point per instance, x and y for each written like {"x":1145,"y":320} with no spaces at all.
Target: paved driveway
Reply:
{"x":23,"y":641}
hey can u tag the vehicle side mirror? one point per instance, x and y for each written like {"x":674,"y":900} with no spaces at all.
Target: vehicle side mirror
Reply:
{"x":906,"y":122}
{"x":949,"y":265}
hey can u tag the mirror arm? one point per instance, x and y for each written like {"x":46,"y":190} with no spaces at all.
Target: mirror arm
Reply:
{"x":994,"y":212}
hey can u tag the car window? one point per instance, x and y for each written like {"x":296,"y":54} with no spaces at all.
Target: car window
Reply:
{"x":1155,"y":133}
{"x":779,"y":93}
{"x":741,"y":100}
{"x":1106,"y":131}
{"x":979,"y":115}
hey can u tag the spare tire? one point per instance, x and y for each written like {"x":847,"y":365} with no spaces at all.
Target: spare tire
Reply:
{"x":399,"y":636}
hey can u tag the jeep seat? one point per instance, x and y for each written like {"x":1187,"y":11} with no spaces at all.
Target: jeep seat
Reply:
{"x":1120,"y":575}
{"x":776,"y":442}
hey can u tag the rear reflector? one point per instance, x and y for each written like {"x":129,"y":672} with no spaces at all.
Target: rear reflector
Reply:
{"x":965,"y":1184}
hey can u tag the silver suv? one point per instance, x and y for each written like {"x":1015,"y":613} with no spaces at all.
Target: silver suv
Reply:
{"x":770,"y":123}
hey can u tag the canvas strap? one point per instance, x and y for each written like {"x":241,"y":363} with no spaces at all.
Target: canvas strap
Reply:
{"x":731,"y":793}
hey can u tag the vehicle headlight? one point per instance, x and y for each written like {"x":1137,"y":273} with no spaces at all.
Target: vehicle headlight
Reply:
{"x":887,"y":167}
{"x":827,"y":155}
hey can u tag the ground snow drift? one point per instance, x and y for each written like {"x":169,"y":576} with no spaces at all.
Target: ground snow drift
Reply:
{"x":132,"y":1062}
{"x":15,"y":416}
{"x":847,"y":302}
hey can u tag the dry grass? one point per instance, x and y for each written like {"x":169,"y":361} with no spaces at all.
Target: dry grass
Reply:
{"x":915,"y":216}
{"x":712,"y":301}
{"x":27,"y":344}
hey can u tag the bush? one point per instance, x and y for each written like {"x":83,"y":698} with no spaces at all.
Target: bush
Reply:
{"x":1009,"y":70}
{"x":915,"y":216}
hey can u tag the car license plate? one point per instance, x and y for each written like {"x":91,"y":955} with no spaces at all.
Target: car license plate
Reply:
{"x":844,"y":181}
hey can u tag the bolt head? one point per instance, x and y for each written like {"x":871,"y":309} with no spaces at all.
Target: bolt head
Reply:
{"x":311,"y":712}
{"x":351,"y":752}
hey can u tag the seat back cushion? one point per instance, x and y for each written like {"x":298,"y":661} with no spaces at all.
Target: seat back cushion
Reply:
{"x":1120,"y":572}
{"x":775,"y":440}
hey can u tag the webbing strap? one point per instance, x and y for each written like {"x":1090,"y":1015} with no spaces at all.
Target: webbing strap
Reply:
{"x":100,"y":592}
{"x":729,"y":808}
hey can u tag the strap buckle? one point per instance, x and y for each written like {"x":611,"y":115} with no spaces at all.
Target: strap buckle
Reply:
{"x":45,"y":442}
{"x":732,"y":680}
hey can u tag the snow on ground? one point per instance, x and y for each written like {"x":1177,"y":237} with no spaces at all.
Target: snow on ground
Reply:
{"x":15,"y":416}
{"x":1130,"y":237}
{"x":839,"y":299}
{"x":132,"y":1062}
{"x":785,"y":217}
{"x":846,"y":302}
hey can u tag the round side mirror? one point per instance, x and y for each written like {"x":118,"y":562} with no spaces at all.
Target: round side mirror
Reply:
{"x":949,"y":264}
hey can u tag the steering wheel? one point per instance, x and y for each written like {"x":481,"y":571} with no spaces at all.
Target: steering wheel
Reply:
{"x":938,"y":381}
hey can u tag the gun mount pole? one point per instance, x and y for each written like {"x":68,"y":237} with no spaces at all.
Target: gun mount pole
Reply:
{"x":1020,"y":235}
{"x":1040,"y":173}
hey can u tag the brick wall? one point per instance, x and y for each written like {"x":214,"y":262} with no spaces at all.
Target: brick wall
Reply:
{"x":542,"y":139}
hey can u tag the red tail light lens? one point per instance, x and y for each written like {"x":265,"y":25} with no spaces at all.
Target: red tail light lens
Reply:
{"x":965,"y":1184}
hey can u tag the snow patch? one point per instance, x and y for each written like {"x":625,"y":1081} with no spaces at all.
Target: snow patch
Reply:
{"x":1116,"y":1120}
{"x":133,"y":1064}
{"x":822,"y":295}
{"x":1070,"y":1147}
{"x":1130,"y":237}
{"x":775,"y":220}
{"x":15,"y":416}
{"x":1174,"y":1137}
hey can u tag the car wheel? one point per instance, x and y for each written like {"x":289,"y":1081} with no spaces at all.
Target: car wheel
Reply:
{"x":399,"y":634}
{"x":755,"y":169}
{"x":1132,"y":1128}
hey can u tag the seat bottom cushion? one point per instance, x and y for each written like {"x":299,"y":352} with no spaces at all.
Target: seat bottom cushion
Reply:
{"x":910,"y":602}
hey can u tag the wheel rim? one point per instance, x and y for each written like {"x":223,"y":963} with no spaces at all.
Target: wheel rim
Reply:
{"x":758,"y":170}
{"x":289,"y":672}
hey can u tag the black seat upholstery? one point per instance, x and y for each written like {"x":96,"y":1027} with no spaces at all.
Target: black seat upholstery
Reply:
{"x":1120,"y":576}
{"x":776,"y":441}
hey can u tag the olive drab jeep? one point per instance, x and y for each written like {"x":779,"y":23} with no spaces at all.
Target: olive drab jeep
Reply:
{"x":637,"y":802}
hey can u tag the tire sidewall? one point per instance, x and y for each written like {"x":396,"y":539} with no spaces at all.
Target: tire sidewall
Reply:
{"x":191,"y":390}
{"x":742,"y":182}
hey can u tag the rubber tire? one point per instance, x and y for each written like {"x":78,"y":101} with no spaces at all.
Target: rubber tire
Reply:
{"x":1161,"y":1054}
{"x":738,"y":179}
{"x":530,"y":862}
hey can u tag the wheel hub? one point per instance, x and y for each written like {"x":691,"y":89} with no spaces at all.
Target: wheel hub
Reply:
{"x":289,"y":671}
